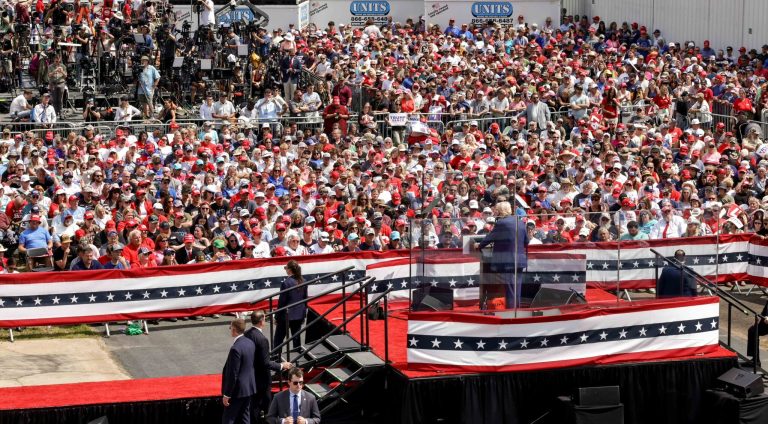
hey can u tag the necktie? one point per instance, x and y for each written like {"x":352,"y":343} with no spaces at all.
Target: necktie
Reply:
{"x":664,"y":235}
{"x":295,"y":413}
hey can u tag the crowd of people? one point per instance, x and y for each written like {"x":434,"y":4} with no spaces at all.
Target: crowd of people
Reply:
{"x":542,"y":115}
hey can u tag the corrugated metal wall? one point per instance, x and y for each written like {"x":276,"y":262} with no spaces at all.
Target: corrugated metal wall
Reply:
{"x":755,"y":28}
{"x":723,"y":22}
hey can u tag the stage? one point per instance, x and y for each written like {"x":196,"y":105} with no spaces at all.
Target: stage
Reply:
{"x":653,"y":391}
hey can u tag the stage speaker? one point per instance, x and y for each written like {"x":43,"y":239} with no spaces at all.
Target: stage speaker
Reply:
{"x":100,"y":420}
{"x":598,"y":396}
{"x":741,"y":383}
{"x":432,"y":299}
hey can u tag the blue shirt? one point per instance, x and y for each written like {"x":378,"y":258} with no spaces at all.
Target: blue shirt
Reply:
{"x":108,"y":265}
{"x":147,"y":79}
{"x":80,"y":266}
{"x":35,"y":239}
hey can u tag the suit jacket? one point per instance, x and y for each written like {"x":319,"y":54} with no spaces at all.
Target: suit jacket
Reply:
{"x":510,"y":239}
{"x":182,"y":257}
{"x":281,"y":408}
{"x":291,"y":68}
{"x":261,"y":363}
{"x":237,"y":380}
{"x":297,"y":312}
{"x":669,"y":283}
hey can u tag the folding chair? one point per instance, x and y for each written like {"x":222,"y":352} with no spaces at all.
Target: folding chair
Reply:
{"x":33,"y":255}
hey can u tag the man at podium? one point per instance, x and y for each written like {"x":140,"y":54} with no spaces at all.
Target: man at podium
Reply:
{"x":510,"y":240}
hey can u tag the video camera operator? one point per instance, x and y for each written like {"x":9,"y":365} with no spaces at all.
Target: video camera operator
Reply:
{"x":90,"y":112}
{"x":57,"y":13}
{"x":166,"y":42}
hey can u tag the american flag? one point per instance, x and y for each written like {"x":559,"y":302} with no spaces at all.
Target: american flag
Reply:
{"x":58,"y":298}
{"x":662,"y":329}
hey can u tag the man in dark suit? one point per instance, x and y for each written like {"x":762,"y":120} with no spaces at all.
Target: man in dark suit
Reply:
{"x":188,"y":252}
{"x":510,"y":240}
{"x":674,"y":281}
{"x":294,"y":406}
{"x":237,"y":380}
{"x":262,"y":366}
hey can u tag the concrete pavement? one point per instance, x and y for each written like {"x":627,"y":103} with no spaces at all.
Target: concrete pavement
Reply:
{"x":57,"y":361}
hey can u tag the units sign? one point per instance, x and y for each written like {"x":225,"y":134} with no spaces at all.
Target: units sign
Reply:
{"x":501,"y":12}
{"x":363,"y":10}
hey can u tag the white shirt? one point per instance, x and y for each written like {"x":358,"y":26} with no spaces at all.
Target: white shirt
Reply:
{"x":45,"y":114}
{"x":126,"y":114}
{"x":206,"y":112}
{"x":224,"y":109}
{"x":207,"y":16}
{"x":316,"y":249}
{"x":677,"y":228}
{"x":19,"y":104}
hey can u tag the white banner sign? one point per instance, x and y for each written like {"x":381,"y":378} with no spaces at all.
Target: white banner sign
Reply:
{"x":357,"y":13}
{"x":480,"y":12}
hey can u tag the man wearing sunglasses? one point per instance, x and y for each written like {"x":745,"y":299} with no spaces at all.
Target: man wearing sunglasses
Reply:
{"x":294,"y":406}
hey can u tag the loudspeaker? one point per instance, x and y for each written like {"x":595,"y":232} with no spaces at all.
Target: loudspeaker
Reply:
{"x":741,"y":383}
{"x":432,"y":299}
{"x":100,"y":420}
{"x":598,"y":396}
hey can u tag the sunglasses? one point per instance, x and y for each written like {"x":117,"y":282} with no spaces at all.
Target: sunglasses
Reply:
{"x":297,"y":383}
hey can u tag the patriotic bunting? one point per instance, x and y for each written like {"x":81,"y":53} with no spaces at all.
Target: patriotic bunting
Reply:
{"x":481,"y":343}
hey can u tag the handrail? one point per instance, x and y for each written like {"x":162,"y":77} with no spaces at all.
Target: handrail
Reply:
{"x":308,"y":299}
{"x":708,"y":284}
{"x":722,"y":294}
{"x":353,"y":316}
{"x":276,"y":349}
{"x":306,"y":283}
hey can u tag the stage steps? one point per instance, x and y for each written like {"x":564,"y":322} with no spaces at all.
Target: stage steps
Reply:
{"x":327,"y":352}
{"x":343,"y":377}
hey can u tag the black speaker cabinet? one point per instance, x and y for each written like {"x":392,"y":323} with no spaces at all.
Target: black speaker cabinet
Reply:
{"x":598,"y":396}
{"x":547,"y":297}
{"x":741,"y":383}
{"x":432,"y":299}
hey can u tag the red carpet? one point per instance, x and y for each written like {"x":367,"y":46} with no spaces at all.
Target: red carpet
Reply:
{"x":30,"y":397}
{"x":157,"y":389}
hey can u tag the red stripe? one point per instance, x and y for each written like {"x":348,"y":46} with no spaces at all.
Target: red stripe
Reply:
{"x":73,"y":276}
{"x":649,"y":283}
{"x":644,"y":244}
{"x":586,"y":312}
{"x":175,"y":313}
{"x":657,"y":355}
{"x":110,"y":392}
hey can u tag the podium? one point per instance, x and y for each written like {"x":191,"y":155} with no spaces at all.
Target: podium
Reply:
{"x":491,"y":283}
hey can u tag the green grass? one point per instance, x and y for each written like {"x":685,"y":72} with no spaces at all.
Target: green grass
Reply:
{"x":54,"y":332}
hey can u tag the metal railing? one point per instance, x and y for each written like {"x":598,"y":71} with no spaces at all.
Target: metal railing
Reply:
{"x":723,"y":295}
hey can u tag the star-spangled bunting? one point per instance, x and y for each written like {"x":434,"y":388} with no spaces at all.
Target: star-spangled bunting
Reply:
{"x":132,"y":295}
{"x":690,"y":260}
{"x":600,"y":335}
{"x":470,"y":281}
